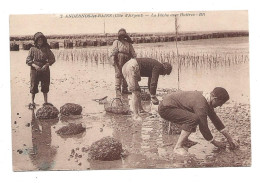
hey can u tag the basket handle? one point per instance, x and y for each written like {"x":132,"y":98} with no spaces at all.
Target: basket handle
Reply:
{"x":117,"y":99}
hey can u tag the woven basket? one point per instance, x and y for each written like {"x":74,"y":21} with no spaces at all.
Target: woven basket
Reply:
{"x":116,"y":109}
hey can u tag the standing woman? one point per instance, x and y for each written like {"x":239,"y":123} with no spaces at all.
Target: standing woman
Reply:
{"x":122,"y":51}
{"x":40,"y":57}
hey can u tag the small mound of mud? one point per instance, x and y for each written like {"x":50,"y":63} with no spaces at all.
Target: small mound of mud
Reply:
{"x":106,"y":149}
{"x":117,"y":106}
{"x":71,"y":129}
{"x":47,"y":112}
{"x":71,"y":109}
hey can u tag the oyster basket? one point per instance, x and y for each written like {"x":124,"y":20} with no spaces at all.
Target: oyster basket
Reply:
{"x":116,"y":109}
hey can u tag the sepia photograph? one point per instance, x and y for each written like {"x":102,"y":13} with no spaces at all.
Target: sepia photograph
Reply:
{"x":130,"y":90}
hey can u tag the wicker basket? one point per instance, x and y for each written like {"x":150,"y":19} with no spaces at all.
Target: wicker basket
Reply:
{"x":116,"y":109}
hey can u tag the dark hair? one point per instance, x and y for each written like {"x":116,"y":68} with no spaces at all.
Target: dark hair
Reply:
{"x":122,"y":29}
{"x":167,"y":67}
{"x":220,"y":93}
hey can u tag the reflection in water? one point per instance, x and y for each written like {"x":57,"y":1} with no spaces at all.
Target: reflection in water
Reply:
{"x":74,"y":127}
{"x":148,"y":142}
{"x":71,"y":119}
{"x":43,"y":153}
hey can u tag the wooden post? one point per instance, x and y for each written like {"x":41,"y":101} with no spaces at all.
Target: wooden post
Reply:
{"x":176,"y":44}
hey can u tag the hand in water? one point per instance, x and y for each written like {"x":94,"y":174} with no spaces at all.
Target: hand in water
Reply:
{"x":233,"y":145}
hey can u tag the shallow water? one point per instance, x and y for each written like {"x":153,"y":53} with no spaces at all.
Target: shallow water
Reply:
{"x":36,"y":145}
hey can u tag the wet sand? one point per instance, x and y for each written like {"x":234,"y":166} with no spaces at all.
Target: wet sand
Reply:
{"x":37,"y":146}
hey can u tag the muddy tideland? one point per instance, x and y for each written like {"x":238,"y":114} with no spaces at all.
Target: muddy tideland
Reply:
{"x":52,"y":145}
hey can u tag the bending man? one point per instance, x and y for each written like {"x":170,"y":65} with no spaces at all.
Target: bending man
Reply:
{"x":191,"y":109}
{"x":134,"y":69}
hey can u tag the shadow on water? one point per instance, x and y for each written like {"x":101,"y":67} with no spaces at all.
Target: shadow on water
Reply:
{"x":43,"y":153}
{"x":148,"y":143}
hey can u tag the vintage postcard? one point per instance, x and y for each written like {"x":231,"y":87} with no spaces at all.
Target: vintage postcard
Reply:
{"x":130,"y":90}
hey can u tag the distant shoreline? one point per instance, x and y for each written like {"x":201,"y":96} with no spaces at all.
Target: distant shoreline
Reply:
{"x":102,"y":35}
{"x":107,"y":39}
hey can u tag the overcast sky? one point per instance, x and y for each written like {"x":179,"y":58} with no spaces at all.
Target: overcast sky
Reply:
{"x":53,"y":24}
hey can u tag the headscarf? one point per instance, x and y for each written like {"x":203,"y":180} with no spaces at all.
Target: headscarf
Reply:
{"x":40,"y":35}
{"x":123,"y":35}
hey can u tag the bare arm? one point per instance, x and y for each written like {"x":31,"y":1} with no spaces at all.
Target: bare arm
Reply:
{"x":221,"y":128}
{"x":201,"y":110}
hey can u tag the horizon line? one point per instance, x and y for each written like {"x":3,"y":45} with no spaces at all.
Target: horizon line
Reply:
{"x":132,"y":33}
